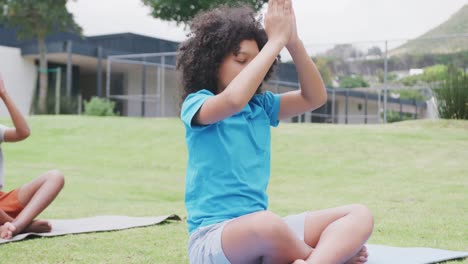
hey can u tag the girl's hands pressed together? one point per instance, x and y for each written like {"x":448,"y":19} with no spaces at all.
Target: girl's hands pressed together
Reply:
{"x":279,"y":21}
{"x":294,"y":38}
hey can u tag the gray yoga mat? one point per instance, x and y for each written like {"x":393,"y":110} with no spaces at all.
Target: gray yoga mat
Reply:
{"x":95,"y":224}
{"x":379,"y":254}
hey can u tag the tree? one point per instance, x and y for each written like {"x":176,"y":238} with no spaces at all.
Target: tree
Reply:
{"x":344,"y":51}
{"x":374,"y":51}
{"x":435,"y":73}
{"x":325,"y":72}
{"x":182,"y":11}
{"x":38,"y":19}
{"x":432,"y":74}
{"x":381,"y":76}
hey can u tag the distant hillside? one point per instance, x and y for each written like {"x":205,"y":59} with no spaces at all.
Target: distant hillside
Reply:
{"x":456,"y":25}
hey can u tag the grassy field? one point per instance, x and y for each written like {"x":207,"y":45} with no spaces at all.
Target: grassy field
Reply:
{"x":413,"y":176}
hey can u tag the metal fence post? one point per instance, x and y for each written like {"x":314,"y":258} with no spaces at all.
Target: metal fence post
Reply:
{"x":163,"y":80}
{"x":346,"y":106}
{"x":385,"y":81}
{"x":58,"y":79}
{"x":69,"y":68}
{"x":143,"y":87}
{"x":333,"y":106}
{"x":365,"y":108}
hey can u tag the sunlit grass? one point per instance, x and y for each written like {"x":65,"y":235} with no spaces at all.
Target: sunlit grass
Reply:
{"x":413,"y":176}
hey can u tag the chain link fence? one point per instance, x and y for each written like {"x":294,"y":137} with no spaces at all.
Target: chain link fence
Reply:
{"x":367,"y":82}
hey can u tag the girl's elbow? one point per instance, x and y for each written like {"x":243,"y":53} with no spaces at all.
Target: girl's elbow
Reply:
{"x":235,"y":104}
{"x":323,"y":99}
{"x":23,"y":134}
{"x":318,"y":101}
{"x":324,"y":95}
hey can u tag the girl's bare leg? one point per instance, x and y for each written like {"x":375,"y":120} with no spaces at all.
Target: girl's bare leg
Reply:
{"x":338,"y":234}
{"x":35,"y":197}
{"x":262,"y":237}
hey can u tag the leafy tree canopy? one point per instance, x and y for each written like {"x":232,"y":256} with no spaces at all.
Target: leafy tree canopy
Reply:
{"x":182,"y":11}
{"x":37,"y":18}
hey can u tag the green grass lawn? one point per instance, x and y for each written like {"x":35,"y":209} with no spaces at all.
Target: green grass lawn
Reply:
{"x":413,"y":176}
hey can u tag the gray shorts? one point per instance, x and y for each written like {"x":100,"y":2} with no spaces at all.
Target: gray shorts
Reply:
{"x":205,"y":243}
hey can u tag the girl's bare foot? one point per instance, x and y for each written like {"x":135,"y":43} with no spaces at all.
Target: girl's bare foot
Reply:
{"x":360,"y":257}
{"x":38,"y":226}
{"x":299,"y":261}
{"x":7,"y":230}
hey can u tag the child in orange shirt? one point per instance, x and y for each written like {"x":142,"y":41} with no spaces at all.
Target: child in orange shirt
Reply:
{"x":19,"y":207}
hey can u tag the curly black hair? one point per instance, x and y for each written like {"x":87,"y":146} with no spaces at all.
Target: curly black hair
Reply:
{"x":215,"y":34}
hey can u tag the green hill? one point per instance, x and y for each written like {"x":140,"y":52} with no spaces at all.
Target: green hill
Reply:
{"x":433,"y":41}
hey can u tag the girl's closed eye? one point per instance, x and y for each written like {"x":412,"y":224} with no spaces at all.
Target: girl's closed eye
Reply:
{"x":241,"y":59}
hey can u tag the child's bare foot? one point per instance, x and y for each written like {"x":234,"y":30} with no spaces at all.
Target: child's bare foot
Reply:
{"x":7,"y":230}
{"x":360,"y":257}
{"x":38,"y":226}
{"x":299,"y":261}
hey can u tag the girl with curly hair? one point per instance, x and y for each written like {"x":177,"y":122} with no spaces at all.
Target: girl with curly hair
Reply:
{"x":227,"y":120}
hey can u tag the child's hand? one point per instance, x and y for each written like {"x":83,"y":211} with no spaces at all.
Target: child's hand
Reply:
{"x":294,"y":38}
{"x":2,"y":86}
{"x":278,"y":21}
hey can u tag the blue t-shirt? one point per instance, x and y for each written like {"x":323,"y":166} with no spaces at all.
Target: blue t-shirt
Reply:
{"x":228,"y":166}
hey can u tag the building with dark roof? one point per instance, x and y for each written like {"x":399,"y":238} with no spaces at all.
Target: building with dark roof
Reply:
{"x":146,"y":85}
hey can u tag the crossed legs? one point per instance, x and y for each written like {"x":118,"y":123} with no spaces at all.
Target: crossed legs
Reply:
{"x":335,"y":235}
{"x":35,"y":196}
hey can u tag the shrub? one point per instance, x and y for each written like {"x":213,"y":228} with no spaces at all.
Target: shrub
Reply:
{"x":434,"y":73}
{"x":99,"y":107}
{"x":353,"y":82}
{"x":411,"y":95}
{"x":452,"y":94}
{"x":411,"y":80}
{"x":394,"y":116}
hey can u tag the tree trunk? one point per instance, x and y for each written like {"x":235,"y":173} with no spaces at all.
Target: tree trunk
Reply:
{"x":43,"y":76}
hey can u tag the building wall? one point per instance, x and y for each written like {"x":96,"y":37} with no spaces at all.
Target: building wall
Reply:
{"x":356,"y":113}
{"x":166,"y":105}
{"x":87,"y":85}
{"x":356,"y":107}
{"x":19,"y":76}
{"x":132,"y":86}
{"x":173,"y":92}
{"x":356,"y":110}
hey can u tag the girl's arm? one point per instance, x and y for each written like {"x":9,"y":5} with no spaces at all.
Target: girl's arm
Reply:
{"x":241,"y":89}
{"x":21,"y":129}
{"x":312,"y":94}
